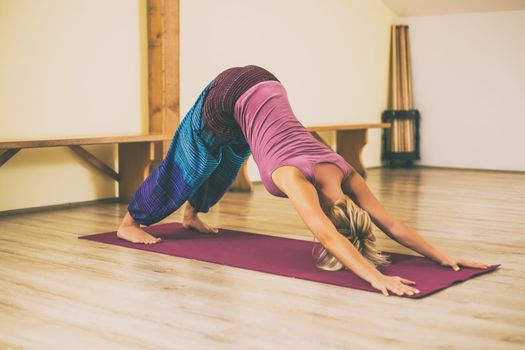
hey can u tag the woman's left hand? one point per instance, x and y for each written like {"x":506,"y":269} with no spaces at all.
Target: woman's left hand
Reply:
{"x":455,"y":263}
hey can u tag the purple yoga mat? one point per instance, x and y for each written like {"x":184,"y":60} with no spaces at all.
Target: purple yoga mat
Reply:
{"x":286,"y":257}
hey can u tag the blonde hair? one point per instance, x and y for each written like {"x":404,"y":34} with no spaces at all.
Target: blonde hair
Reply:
{"x":355,"y":224}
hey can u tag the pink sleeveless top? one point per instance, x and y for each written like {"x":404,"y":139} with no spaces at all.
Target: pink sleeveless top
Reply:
{"x":276,"y":137}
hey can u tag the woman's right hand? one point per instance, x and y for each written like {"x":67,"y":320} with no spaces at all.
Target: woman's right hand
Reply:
{"x":395,"y":284}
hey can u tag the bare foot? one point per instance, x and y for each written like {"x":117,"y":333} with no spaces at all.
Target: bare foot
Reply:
{"x":130,"y":231}
{"x":197,"y":224}
{"x":191,"y":220}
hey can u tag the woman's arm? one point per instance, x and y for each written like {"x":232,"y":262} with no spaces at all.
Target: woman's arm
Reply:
{"x":356,"y":187}
{"x":305,"y":200}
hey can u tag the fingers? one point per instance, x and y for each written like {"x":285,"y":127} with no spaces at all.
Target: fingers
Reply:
{"x":397,"y":291}
{"x":410,"y":282}
{"x":406,"y":281}
{"x":473,"y":264}
{"x":452,"y":263}
{"x":403,"y":289}
{"x":400,"y":291}
{"x":398,"y":286}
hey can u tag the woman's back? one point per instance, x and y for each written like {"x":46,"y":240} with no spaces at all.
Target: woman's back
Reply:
{"x":276,"y":137}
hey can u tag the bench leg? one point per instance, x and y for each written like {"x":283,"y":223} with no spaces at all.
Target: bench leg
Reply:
{"x":134,"y":161}
{"x":242,"y":183}
{"x":350,"y":144}
{"x":8,"y":154}
{"x":94,"y":161}
{"x":320,"y":139}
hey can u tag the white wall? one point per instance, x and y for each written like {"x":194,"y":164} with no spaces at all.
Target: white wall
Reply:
{"x":68,"y":68}
{"x":469,"y":84}
{"x":331,"y":55}
{"x":76,"y":67}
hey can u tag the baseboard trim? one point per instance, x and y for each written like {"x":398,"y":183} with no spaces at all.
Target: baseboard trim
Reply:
{"x":470,"y":169}
{"x":58,"y":206}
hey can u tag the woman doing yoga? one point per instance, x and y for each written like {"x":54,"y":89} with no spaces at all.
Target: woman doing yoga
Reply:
{"x":243,"y":111}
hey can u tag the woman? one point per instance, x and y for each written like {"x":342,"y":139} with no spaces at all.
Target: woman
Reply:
{"x":246,"y":110}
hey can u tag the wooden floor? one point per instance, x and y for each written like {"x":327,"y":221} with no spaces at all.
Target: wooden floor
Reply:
{"x":59,"y":292}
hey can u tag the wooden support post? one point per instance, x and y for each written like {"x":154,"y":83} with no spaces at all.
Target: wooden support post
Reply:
{"x":163,"y":71}
{"x":134,"y":166}
{"x":136,"y":161}
{"x":350,"y":144}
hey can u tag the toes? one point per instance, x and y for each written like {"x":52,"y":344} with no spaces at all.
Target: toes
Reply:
{"x":148,"y":241}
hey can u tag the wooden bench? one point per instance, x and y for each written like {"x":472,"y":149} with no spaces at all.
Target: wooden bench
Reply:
{"x":350,"y":140}
{"x":135,"y":156}
{"x":136,"y":153}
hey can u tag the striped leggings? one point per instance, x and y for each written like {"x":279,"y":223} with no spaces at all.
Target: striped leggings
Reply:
{"x":199,"y":167}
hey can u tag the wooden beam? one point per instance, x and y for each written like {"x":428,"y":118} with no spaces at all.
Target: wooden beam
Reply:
{"x":8,"y":155}
{"x":328,"y":127}
{"x":163,"y":70}
{"x":32,"y":143}
{"x":136,"y":161}
{"x":350,"y":145}
{"x":95,"y":162}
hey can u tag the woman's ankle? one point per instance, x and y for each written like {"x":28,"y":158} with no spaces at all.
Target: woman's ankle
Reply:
{"x":129,"y":221}
{"x":190,"y":213}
